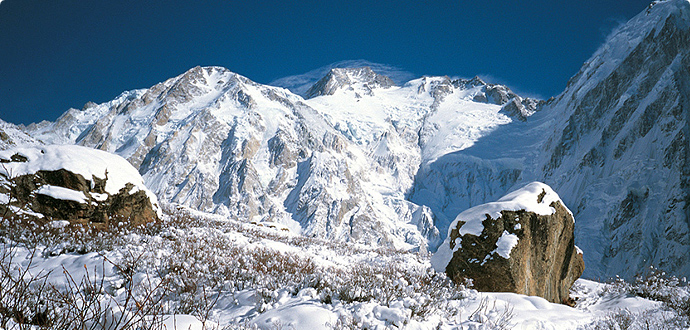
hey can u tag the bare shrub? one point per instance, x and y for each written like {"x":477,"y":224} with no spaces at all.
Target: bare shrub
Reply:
{"x":21,"y":292}
{"x":624,"y":319}
{"x":656,"y":285}
{"x":28,"y":299}
{"x":188,"y":261}
{"x":493,"y":317}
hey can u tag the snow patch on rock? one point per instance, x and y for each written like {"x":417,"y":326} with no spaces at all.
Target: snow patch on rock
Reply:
{"x":534,"y":197}
{"x":62,"y":193}
{"x":526,"y":198}
{"x":505,"y":244}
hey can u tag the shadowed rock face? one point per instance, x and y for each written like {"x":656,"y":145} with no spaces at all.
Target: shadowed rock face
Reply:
{"x":98,"y":208}
{"x":544,"y":262}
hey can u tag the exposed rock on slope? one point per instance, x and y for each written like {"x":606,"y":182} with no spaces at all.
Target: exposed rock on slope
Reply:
{"x":523,"y":243}
{"x":299,"y":84}
{"x":73,"y":183}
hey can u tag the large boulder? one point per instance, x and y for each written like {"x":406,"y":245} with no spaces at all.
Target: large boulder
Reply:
{"x":522,"y":243}
{"x":73,"y":183}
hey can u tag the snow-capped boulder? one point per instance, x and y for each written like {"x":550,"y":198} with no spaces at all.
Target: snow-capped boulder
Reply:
{"x":74,"y":183}
{"x":522,"y":243}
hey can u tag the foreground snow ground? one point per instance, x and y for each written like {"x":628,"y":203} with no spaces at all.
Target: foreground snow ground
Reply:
{"x":221,"y":274}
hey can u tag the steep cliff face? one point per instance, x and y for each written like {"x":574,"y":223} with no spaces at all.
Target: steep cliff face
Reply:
{"x":618,"y":153}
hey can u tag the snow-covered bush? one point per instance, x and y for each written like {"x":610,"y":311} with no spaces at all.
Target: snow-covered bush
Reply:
{"x":671,"y":293}
{"x":624,"y":319}
{"x":185,"y":264}
{"x":206,"y":255}
{"x":29,"y":300}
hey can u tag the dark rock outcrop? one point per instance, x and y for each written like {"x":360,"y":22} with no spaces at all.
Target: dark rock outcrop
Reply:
{"x":523,"y":243}
{"x":61,"y":194}
{"x":98,"y":208}
{"x":520,"y":108}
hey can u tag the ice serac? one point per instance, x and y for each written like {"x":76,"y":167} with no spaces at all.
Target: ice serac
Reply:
{"x":522,"y":243}
{"x":619,"y":151}
{"x":361,"y":80}
{"x":218,"y":142}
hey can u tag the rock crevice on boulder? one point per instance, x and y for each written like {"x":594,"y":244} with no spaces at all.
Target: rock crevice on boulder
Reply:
{"x":523,"y":243}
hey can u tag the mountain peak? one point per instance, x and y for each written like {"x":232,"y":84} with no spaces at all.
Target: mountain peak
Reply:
{"x":361,"y":80}
{"x":299,"y":84}
{"x":669,"y":16}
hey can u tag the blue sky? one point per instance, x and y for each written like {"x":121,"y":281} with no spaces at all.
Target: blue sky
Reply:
{"x":60,"y":54}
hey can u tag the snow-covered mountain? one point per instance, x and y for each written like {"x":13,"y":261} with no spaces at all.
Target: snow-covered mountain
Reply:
{"x":364,"y":158}
{"x":218,"y":142}
{"x":338,"y":165}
